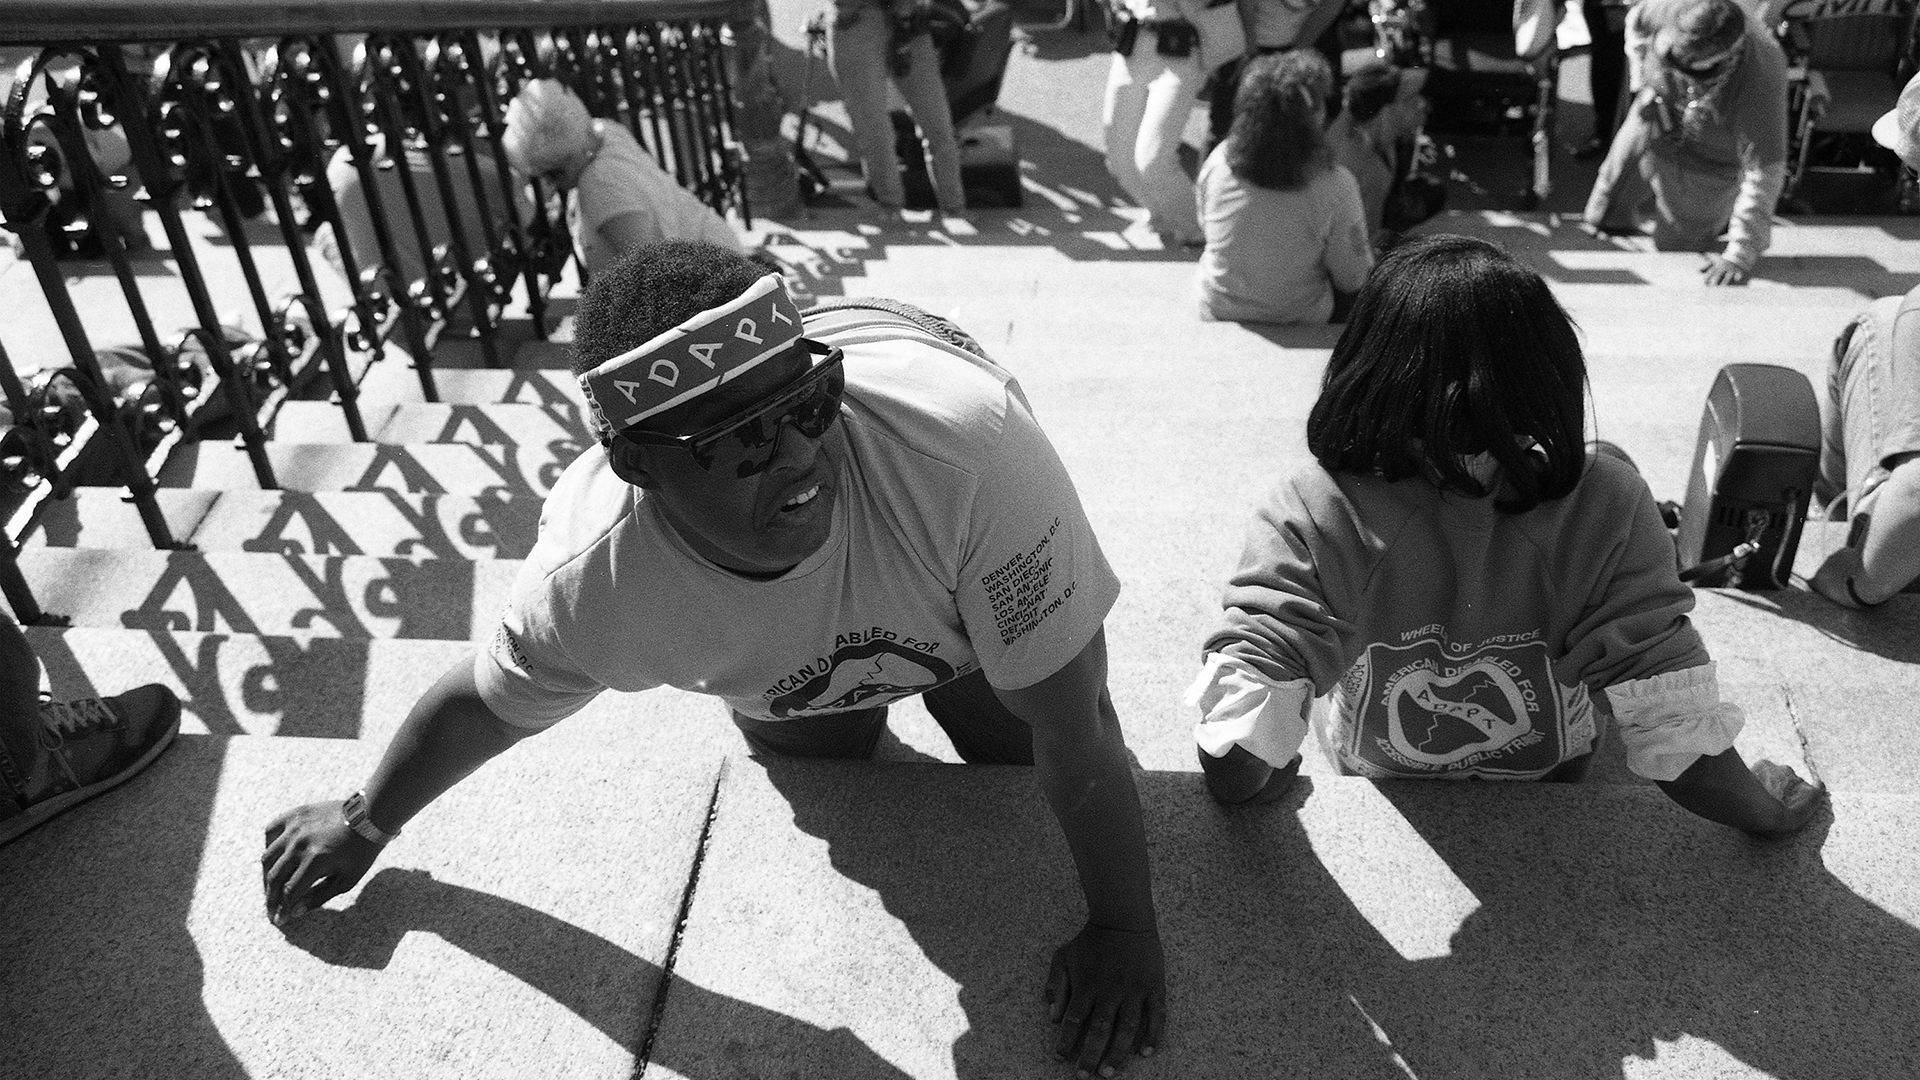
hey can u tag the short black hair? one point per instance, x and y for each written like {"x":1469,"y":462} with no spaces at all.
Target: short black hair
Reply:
{"x":1453,"y":349}
{"x":1278,"y":139}
{"x":652,"y":290}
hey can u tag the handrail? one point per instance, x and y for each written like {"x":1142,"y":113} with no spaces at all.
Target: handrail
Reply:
{"x":366,"y":132}
{"x":45,"y":22}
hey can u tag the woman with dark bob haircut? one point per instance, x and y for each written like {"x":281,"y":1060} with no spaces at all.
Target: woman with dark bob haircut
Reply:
{"x":1455,"y":350}
{"x":1284,"y":226}
{"x":1460,"y":580}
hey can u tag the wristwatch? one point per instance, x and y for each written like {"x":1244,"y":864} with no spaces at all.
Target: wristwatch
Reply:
{"x":355,"y":811}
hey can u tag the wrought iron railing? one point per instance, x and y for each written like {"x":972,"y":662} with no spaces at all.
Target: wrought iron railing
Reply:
{"x":372,"y":124}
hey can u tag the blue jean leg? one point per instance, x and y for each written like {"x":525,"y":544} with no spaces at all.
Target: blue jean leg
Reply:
{"x":1871,"y":410}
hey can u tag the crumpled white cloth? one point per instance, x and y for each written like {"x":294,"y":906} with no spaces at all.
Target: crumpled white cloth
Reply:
{"x":1669,"y":721}
{"x":1241,"y":707}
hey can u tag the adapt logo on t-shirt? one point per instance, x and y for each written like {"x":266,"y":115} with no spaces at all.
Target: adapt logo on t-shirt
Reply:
{"x":867,"y":668}
{"x":1430,"y":707}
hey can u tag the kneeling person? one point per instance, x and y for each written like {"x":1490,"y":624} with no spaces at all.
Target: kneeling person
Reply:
{"x":806,"y":521}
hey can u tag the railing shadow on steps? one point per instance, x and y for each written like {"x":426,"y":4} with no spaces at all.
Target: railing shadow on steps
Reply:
{"x":277,"y":122}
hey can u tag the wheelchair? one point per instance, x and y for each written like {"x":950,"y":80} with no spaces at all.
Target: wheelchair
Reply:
{"x":1847,"y":62}
{"x":1491,"y":65}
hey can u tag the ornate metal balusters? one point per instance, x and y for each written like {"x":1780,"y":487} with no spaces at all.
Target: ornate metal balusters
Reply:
{"x":461,"y":97}
{"x":303,"y":109}
{"x":411,"y":118}
{"x":158,"y":134}
{"x":378,"y":287}
{"x":712,"y":42}
{"x":646,"y":99}
{"x":267,"y":153}
{"x":548,"y":244}
{"x":30,"y":170}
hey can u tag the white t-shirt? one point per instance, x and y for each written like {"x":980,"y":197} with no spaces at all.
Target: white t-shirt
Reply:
{"x":1277,"y":256}
{"x":621,"y":179}
{"x":957,"y":543}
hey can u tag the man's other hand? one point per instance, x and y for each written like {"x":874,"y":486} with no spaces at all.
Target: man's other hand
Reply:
{"x":311,"y":858}
{"x":1108,"y":993}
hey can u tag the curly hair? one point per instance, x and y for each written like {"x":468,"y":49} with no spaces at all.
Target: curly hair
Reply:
{"x":1278,"y":139}
{"x":652,"y":290}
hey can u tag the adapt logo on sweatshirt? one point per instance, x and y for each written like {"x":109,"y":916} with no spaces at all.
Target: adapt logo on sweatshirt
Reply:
{"x":1431,"y":707}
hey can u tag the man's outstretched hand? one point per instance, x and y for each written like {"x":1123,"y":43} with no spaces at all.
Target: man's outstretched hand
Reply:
{"x":1108,"y":993}
{"x":311,"y":858}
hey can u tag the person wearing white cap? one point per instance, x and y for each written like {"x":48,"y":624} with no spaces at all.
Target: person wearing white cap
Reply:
{"x":622,"y":198}
{"x":1703,"y":148}
{"x":806,"y":517}
{"x":1870,"y":421}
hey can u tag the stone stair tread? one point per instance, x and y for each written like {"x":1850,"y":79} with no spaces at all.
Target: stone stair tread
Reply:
{"x":307,"y":684}
{"x":1459,"y":928}
{"x":520,"y":929}
{"x":353,"y":596}
{"x":482,"y":386}
{"x":105,"y":517}
{"x":457,"y":468}
{"x":384,"y":523}
{"x":498,"y":424}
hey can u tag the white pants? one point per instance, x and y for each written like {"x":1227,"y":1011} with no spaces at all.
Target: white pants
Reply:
{"x":1149,"y":97}
{"x":861,"y":49}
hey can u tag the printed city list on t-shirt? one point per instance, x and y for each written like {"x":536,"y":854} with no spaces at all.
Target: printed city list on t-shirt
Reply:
{"x":1020,"y":590}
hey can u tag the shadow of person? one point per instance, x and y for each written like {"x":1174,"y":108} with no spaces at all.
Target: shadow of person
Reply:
{"x":572,"y":966}
{"x":97,"y":968}
{"x":979,"y":876}
{"x":1384,"y":930}
{"x":1642,"y":931}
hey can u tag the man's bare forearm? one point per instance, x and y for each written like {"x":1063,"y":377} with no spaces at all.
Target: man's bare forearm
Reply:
{"x":448,"y":735}
{"x":1093,"y":795}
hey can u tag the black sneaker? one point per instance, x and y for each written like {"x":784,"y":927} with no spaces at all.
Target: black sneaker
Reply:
{"x":92,"y":745}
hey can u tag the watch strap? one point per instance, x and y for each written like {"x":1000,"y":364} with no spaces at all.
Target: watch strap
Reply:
{"x":354,"y":809}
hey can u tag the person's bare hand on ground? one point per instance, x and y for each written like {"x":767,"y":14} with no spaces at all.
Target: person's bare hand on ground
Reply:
{"x":1108,"y":992}
{"x":311,"y":857}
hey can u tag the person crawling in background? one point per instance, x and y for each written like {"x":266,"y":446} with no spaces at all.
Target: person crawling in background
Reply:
{"x":622,"y":199}
{"x":1474,"y":591}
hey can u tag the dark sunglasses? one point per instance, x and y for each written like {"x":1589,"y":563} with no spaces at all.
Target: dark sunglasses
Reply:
{"x":742,"y":445}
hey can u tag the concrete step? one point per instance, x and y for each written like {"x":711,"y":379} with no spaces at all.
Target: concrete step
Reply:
{"x":350,"y":596}
{"x":106,"y":517}
{"x":520,"y":928}
{"x":382,"y":523}
{"x":308,"y":684}
{"x":490,"y":425}
{"x":385,"y":522}
{"x":1444,"y":930}
{"x":483,"y":386}
{"x":439,"y":468}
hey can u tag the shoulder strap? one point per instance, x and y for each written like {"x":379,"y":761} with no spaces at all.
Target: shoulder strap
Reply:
{"x":902,"y":311}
